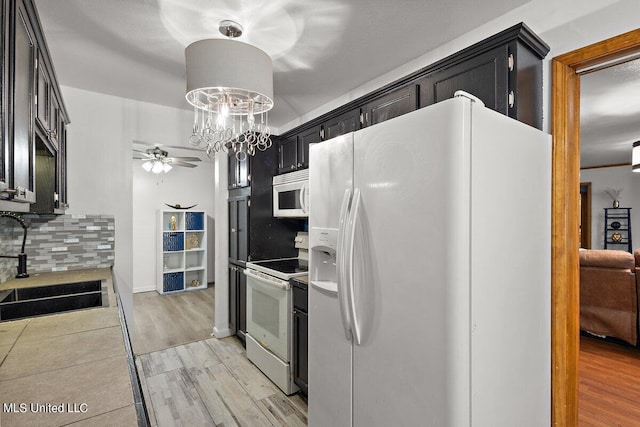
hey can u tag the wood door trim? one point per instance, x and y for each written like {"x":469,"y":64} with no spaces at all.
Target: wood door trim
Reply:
{"x":565,"y":129}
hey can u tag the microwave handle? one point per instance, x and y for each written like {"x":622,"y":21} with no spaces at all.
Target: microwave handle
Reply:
{"x":303,"y":195}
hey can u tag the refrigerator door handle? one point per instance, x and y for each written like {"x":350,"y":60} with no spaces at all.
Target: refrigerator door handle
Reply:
{"x":303,"y":195}
{"x":340,"y":265}
{"x":350,"y":246}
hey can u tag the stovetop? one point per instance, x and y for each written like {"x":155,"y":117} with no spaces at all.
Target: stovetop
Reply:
{"x":284,"y":268}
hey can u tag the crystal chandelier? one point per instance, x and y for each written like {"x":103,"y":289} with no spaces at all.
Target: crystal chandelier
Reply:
{"x":230,"y":85}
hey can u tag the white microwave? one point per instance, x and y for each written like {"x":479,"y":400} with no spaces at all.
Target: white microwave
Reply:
{"x":291,"y":194}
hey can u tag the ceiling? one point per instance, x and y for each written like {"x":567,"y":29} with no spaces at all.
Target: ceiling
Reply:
{"x":609,"y":114}
{"x":321,"y":49}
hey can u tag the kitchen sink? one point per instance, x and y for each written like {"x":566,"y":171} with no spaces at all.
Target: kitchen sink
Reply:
{"x":35,"y":301}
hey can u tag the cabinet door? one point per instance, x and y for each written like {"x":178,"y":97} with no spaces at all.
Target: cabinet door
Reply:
{"x":393,"y":104}
{"x":4,"y":94}
{"x":484,"y":76}
{"x":342,"y":124}
{"x":43,"y":102}
{"x":61,"y":173}
{"x":288,"y":154}
{"x":300,"y":349}
{"x":239,"y":229}
{"x":233,"y":230}
{"x":242,"y":303}
{"x":233,"y":298}
{"x":310,"y":136}
{"x":23,"y":146}
{"x":238,"y":172}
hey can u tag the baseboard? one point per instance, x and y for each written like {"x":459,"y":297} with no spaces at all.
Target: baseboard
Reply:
{"x":145,"y":289}
{"x":221,"y":333}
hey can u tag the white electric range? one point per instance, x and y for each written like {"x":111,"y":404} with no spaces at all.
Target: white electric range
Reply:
{"x":269,"y":322}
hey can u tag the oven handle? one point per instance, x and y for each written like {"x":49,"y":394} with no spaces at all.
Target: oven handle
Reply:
{"x":274,"y":283}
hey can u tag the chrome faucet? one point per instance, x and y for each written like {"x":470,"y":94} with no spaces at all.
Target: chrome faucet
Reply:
{"x":22,"y":257}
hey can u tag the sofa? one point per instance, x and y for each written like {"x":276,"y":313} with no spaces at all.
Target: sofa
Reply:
{"x":609,"y":293}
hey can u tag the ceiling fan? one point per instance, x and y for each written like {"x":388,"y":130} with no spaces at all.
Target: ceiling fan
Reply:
{"x":157,"y":159}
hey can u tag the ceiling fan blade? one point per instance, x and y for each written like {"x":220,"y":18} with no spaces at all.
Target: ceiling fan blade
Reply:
{"x":137,"y":156}
{"x":185,"y":164}
{"x":181,"y":147}
{"x":186,"y":159}
{"x":141,"y":152}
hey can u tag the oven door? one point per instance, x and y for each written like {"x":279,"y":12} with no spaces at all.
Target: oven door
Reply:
{"x":291,"y":200}
{"x":268,"y":312}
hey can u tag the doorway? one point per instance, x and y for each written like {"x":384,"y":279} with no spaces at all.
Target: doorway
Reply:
{"x":565,"y":110}
{"x":585,"y":215}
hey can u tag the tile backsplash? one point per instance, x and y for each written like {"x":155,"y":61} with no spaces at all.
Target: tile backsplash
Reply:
{"x":58,"y":243}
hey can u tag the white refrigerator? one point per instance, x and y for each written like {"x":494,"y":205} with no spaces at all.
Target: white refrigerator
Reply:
{"x":429,"y":297}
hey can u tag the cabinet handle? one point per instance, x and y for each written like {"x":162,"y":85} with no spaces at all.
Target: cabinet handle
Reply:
{"x":511,"y":62}
{"x":321,"y":133}
{"x":233,"y":230}
{"x":299,"y":165}
{"x":292,"y":167}
{"x":512,"y":99}
{"x":295,"y":311}
{"x":55,"y":196}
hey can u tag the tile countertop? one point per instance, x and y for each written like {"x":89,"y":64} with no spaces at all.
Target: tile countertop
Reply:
{"x":67,"y":367}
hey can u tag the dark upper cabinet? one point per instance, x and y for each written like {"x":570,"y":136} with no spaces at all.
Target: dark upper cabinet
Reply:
{"x":20,"y":143}
{"x":288,"y":154}
{"x":293,"y":152}
{"x":393,"y":104}
{"x":344,"y":123}
{"x":484,"y":76}
{"x":32,"y":113}
{"x":238,"y":171}
{"x":504,"y":71}
{"x":43,"y":94}
{"x":239,"y":227}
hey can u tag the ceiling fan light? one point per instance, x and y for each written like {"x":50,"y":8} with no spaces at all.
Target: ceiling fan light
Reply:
{"x":635,"y":157}
{"x":157,"y":167}
{"x":166,"y":167}
{"x":147,"y":165}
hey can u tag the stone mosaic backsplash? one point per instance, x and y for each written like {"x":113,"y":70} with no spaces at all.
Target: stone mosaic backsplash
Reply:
{"x":58,"y":243}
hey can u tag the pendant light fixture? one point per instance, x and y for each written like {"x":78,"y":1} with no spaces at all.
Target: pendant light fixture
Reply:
{"x":230,"y":85}
{"x":635,"y":157}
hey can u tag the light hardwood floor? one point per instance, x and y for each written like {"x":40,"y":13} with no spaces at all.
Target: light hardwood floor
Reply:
{"x":163,"y":321}
{"x":609,"y":384}
{"x":191,"y":379}
{"x":212,"y":383}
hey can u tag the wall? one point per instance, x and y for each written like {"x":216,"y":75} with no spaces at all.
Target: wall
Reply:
{"x":100,"y":165}
{"x":180,"y":185}
{"x":615,"y":177}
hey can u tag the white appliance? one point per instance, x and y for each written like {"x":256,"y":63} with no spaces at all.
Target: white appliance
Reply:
{"x":430,"y":274}
{"x":291,"y":195}
{"x":269,"y":322}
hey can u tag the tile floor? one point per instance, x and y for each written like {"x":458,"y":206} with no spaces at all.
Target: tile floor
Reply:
{"x":212,"y":383}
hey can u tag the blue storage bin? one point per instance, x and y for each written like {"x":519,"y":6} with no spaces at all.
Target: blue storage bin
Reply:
{"x":173,"y":282}
{"x":172,"y":242}
{"x":194,"y":221}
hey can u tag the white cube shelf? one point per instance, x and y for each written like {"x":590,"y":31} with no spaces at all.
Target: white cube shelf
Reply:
{"x":182,"y":251}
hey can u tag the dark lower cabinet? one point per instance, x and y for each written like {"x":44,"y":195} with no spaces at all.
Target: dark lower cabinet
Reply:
{"x":239,"y":203}
{"x":238,"y":301}
{"x":300,"y":347}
